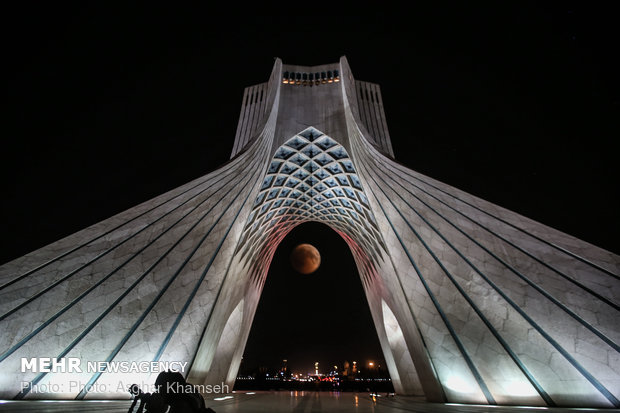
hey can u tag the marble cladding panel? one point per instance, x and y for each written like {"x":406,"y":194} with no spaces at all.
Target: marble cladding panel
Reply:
{"x":588,"y":251}
{"x":145,"y":342}
{"x":107,"y":334}
{"x":44,"y":254}
{"x":80,"y":281}
{"x":576,"y":270}
{"x":97,"y":253}
{"x":531,"y":348}
{"x":558,"y":286}
{"x":64,"y":293}
{"x":569,"y":294}
{"x":117,"y":323}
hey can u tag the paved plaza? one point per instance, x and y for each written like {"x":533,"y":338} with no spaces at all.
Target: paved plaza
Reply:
{"x":294,"y":402}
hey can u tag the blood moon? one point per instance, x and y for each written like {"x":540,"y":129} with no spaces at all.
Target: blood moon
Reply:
{"x":305,"y":258}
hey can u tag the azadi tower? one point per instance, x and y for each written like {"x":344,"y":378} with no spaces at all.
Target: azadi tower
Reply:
{"x":472,"y":303}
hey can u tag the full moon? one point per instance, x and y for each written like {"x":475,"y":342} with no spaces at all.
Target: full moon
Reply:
{"x":305,"y":258}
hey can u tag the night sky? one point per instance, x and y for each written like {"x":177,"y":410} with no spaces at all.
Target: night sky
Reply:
{"x":107,"y":108}
{"x":321,"y":316}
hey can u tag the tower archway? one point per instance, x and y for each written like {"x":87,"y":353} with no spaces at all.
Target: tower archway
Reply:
{"x":303,"y":318}
{"x":311,"y":177}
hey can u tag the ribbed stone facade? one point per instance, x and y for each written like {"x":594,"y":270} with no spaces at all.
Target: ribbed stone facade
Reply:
{"x":472,"y":303}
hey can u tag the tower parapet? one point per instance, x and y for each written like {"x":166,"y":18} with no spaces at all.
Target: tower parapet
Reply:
{"x":319,"y":103}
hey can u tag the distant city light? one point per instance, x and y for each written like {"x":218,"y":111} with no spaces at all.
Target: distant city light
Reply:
{"x":223,"y":398}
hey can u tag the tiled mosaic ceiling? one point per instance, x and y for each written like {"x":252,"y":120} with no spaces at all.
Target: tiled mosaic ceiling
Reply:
{"x":310,"y":178}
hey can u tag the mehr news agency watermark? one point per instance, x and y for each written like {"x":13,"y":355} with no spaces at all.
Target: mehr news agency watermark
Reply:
{"x":75,"y":365}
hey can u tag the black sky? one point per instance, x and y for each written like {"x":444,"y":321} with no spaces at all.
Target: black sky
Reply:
{"x":108,"y":107}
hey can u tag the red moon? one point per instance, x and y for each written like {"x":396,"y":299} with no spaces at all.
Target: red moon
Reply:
{"x":305,"y":258}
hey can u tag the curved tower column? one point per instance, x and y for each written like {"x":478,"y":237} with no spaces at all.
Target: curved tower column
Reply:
{"x":510,"y":311}
{"x":139,"y":287}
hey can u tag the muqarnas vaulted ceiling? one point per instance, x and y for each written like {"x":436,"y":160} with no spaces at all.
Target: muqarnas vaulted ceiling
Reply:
{"x":311,"y":178}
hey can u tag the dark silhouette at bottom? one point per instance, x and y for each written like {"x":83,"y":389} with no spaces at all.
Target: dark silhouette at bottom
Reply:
{"x":173,"y":395}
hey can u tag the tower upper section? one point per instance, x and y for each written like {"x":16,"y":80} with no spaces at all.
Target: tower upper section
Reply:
{"x":313,"y":96}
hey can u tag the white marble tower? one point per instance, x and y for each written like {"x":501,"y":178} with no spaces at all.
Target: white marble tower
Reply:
{"x":472,"y":303}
